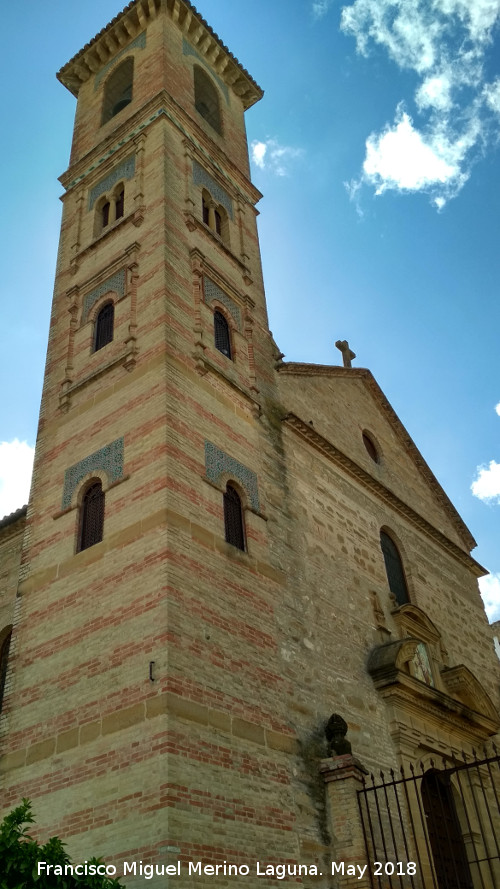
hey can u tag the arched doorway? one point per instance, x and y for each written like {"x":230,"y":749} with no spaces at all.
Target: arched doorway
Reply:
{"x":445,"y":836}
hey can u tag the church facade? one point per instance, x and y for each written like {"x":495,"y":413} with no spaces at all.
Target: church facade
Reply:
{"x":223,"y":549}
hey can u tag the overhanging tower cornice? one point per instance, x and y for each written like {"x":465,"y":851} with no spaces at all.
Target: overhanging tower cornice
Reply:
{"x":126,"y":26}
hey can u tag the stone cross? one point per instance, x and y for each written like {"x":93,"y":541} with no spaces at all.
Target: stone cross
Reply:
{"x":347,"y":353}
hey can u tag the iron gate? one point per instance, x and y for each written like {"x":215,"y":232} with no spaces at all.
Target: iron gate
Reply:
{"x":434,"y":828}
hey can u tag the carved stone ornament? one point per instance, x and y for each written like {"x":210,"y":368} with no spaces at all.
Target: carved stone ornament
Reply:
{"x":335,"y":731}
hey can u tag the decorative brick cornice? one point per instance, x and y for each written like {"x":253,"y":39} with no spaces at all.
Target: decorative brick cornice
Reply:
{"x":332,"y":453}
{"x":124,"y":28}
{"x":319,"y":370}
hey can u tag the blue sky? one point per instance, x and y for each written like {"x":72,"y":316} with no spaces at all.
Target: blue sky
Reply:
{"x":376,"y":149}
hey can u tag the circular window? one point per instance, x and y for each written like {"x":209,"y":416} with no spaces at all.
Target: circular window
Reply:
{"x":370,"y":447}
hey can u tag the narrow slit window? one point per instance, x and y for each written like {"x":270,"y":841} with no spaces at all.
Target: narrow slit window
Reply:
{"x":394,"y":569}
{"x":104,"y":326}
{"x":105,"y":214}
{"x":4,"y":662}
{"x":120,"y":204}
{"x":91,"y":517}
{"x":222,"y":335}
{"x":233,"y":518}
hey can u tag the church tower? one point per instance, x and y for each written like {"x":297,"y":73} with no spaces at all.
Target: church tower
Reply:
{"x":221,"y":549}
{"x":149,"y":449}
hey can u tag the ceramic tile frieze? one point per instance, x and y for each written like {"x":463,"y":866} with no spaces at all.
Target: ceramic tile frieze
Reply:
{"x":218,"y":463}
{"x":214,"y":292}
{"x":201,"y":177}
{"x":116,"y":283}
{"x":108,"y":459}
{"x":125,"y":170}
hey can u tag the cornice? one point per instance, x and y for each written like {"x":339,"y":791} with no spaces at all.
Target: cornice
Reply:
{"x":319,"y":370}
{"x":118,"y":143}
{"x":336,"y":456}
{"x":118,"y":33}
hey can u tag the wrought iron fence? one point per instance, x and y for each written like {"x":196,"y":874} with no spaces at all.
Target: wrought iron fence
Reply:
{"x":433,"y":827}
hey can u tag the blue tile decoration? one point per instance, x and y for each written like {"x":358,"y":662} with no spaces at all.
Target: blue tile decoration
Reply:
{"x":213,"y":292}
{"x":139,"y":42}
{"x":188,"y":50}
{"x":218,"y":463}
{"x":109,"y":459}
{"x":116,"y":283}
{"x":201,"y":177}
{"x":125,"y":170}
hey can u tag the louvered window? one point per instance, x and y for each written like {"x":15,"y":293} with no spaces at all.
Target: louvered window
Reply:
{"x":233,"y":518}
{"x":4,"y":661}
{"x":222,"y":335}
{"x":394,"y":569}
{"x":104,"y":324}
{"x":91,"y":517}
{"x":120,"y":204}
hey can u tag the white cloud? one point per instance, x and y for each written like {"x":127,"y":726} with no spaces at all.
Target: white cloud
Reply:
{"x":487,"y":484}
{"x":492,"y":95}
{"x":497,"y":408}
{"x":321,"y":7}
{"x":445,"y":44}
{"x":16,"y":464}
{"x":490,"y":592}
{"x":401,"y":158}
{"x":272,"y":156}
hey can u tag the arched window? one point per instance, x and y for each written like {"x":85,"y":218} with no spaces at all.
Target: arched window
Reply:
{"x":4,"y":661}
{"x":91,"y":517}
{"x":233,"y":518}
{"x":221,"y":334}
{"x":394,"y":569}
{"x":120,"y":203}
{"x":215,"y":217}
{"x":118,"y":90}
{"x":104,"y":323}
{"x":206,"y":99}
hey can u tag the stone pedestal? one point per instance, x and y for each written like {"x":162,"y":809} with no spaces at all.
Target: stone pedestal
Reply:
{"x":343,"y":776}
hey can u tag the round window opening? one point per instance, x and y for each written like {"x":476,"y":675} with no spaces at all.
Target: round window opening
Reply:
{"x":370,"y":447}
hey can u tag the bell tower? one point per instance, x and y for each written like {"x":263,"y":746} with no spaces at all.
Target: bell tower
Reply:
{"x":146,"y":558}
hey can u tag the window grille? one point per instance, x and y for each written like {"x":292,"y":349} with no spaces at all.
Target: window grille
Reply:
{"x":206,"y":99}
{"x":4,"y":661}
{"x":91,"y":517}
{"x":233,"y":518}
{"x":394,"y":569}
{"x":222,"y":335}
{"x":104,"y":325}
{"x":120,"y":204}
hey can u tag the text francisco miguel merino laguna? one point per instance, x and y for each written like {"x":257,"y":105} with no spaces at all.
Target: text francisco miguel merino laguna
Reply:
{"x":198,"y":868}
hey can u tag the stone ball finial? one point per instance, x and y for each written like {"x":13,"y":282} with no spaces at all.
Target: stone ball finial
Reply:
{"x":335,"y":731}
